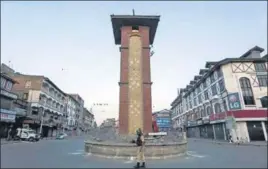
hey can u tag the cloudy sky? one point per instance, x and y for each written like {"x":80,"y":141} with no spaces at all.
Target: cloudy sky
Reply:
{"x":72,"y":43}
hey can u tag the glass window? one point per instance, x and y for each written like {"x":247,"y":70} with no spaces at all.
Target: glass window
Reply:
{"x":221,"y":85}
{"x":263,"y":81}
{"x":9,"y":85}
{"x":217,"y":108}
{"x":195,"y":101}
{"x":3,"y":82}
{"x":225,"y":105}
{"x":190,"y":103}
{"x":199,"y":99}
{"x":247,"y":91}
{"x":209,"y":110}
{"x":199,"y":89}
{"x":260,"y":67}
{"x":206,"y":95}
{"x":219,"y":73}
{"x":212,"y":78}
{"x":214,"y":90}
{"x":264,"y":101}
{"x":205,"y":84}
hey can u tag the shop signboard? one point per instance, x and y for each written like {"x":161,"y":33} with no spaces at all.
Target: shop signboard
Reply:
{"x":199,"y":122}
{"x":191,"y":123}
{"x":8,"y":117}
{"x":234,"y":101}
{"x":205,"y":120}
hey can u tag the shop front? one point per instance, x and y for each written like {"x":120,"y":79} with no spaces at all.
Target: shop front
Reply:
{"x":206,"y":130}
{"x":193,"y":129}
{"x":8,"y":118}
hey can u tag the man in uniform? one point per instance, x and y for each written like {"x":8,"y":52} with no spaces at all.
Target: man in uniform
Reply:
{"x":140,"y":151}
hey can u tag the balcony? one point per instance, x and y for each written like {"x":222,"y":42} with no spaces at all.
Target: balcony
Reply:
{"x":47,"y":106}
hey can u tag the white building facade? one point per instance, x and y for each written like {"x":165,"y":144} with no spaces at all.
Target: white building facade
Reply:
{"x":72,"y":107}
{"x":228,"y":97}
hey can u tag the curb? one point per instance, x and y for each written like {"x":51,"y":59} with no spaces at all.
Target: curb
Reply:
{"x":10,"y":142}
{"x":232,"y":144}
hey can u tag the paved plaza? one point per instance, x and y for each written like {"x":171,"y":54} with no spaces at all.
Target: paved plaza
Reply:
{"x":70,"y":154}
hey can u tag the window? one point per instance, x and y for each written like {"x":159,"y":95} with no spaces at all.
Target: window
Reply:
{"x":221,"y":85}
{"x":136,"y":28}
{"x":219,"y":73}
{"x":199,"y":89}
{"x":246,"y":91}
{"x":199,"y":99}
{"x":195,"y":101}
{"x":260,"y":67}
{"x":28,"y":84}
{"x":225,"y":105}
{"x":9,"y":85}
{"x":263,"y":81}
{"x":190,"y":103}
{"x":206,"y":95}
{"x":5,"y":103}
{"x":205,"y":85}
{"x":217,"y":108}
{"x":209,"y":110}
{"x":203,"y":113}
{"x":212,"y":78}
{"x":25,"y":96}
{"x":214,"y":90}
{"x":264,"y":101}
{"x":3,"y":82}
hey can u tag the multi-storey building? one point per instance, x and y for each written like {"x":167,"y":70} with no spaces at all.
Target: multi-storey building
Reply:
{"x":73,"y":108}
{"x":79,"y":113}
{"x":7,"y":97}
{"x":163,"y":120}
{"x":88,"y":118}
{"x":47,"y":103}
{"x":227,"y":97}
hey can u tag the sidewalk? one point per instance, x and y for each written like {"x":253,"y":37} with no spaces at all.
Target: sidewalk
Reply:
{"x":224,"y":142}
{"x":4,"y":141}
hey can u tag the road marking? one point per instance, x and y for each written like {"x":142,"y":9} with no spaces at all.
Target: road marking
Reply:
{"x":75,"y":153}
{"x":193,"y":154}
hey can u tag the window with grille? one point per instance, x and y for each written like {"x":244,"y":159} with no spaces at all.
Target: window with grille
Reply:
{"x":263,"y":81}
{"x":247,"y":91}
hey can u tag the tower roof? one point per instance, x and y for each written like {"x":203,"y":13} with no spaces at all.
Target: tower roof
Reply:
{"x":134,"y":20}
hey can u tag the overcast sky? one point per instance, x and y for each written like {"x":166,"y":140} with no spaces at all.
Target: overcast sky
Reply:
{"x":42,"y":38}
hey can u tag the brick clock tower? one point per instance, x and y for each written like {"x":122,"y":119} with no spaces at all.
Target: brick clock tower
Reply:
{"x":135,"y":34}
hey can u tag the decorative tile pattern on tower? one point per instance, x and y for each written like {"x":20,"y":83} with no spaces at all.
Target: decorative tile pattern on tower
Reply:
{"x":135,"y":83}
